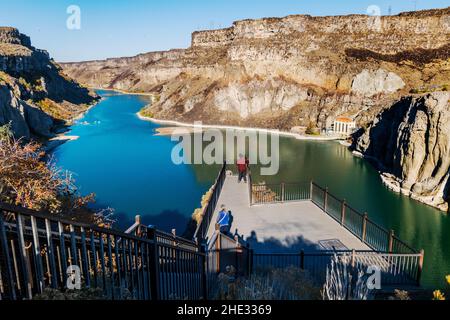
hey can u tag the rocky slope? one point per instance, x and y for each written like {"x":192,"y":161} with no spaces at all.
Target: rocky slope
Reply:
{"x":301,"y":71}
{"x":287,"y":72}
{"x":410,"y":143}
{"x":35,"y":95}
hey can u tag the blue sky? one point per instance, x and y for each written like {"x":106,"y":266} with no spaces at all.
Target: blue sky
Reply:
{"x":113,"y":28}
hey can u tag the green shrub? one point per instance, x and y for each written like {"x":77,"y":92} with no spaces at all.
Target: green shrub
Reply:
{"x":5,"y":132}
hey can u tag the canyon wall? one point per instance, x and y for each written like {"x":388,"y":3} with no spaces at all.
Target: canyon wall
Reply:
{"x":303,"y":71}
{"x":410,"y":144}
{"x":35,"y":95}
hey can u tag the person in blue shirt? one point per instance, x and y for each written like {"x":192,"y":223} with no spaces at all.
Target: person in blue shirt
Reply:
{"x":224,"y":220}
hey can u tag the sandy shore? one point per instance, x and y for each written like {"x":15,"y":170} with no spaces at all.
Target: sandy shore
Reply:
{"x":125,"y":92}
{"x":177,"y":124}
{"x":168,"y":131}
{"x":58,"y":141}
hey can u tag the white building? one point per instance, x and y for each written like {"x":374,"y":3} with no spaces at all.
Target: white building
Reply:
{"x":344,"y":126}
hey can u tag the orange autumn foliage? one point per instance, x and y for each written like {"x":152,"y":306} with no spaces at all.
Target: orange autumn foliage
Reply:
{"x":27,"y":180}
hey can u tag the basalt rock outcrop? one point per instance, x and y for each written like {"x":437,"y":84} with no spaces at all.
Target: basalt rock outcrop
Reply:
{"x":287,"y":72}
{"x":35,"y":95}
{"x":410,"y":145}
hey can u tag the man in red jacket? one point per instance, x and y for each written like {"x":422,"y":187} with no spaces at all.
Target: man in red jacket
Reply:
{"x":242,"y":165}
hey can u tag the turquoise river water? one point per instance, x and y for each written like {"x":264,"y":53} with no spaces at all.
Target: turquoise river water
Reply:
{"x":118,"y":157}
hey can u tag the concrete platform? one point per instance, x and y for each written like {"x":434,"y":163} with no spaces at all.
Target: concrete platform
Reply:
{"x":283,"y":228}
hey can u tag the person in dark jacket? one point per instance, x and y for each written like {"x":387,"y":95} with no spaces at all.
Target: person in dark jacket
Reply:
{"x":242,"y":165}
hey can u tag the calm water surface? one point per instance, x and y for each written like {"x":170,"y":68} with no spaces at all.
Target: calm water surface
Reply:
{"x":129,"y":169}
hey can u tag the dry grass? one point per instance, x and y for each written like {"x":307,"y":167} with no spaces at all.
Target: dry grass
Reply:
{"x":8,"y":49}
{"x":262,"y":193}
{"x":275,"y":284}
{"x":197,"y":216}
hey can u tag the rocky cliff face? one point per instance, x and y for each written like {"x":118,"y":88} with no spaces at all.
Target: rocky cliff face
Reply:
{"x":300,"y":69}
{"x":34,"y":93}
{"x":410,"y":143}
{"x":296,"y":71}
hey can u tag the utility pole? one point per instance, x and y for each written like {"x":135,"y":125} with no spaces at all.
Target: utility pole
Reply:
{"x":415,"y":5}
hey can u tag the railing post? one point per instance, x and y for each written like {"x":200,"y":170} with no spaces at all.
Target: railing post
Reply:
{"x":364,"y":227}
{"x":302,"y":260}
{"x":154,"y":265}
{"x":283,"y":189}
{"x":204,"y":271}
{"x":250,"y":188}
{"x":420,"y":266}
{"x":391,"y":241}
{"x":174,"y":234}
{"x":218,"y":247}
{"x":325,"y":200}
{"x":137,"y":220}
{"x":311,"y":190}
{"x":353,"y":262}
{"x":237,"y":252}
{"x":250,"y":260}
{"x":344,"y":205}
{"x":9,"y":263}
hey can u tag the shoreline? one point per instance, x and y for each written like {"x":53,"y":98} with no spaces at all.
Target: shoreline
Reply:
{"x":394,"y":185}
{"x":82,"y":114}
{"x":63,"y":137}
{"x":272,"y":131}
{"x":190,"y":125}
{"x":59,"y":140}
{"x":124,"y":92}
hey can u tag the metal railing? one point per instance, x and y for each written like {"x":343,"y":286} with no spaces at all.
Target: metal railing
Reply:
{"x":375,"y":236}
{"x":357,"y":223}
{"x":202,"y":228}
{"x":223,"y":252}
{"x":396,"y":269}
{"x":279,"y":193}
{"x":231,"y":252}
{"x":37,"y":250}
{"x":385,"y":244}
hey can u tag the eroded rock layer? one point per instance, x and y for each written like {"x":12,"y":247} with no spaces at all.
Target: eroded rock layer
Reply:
{"x":300,"y":69}
{"x":34,"y":93}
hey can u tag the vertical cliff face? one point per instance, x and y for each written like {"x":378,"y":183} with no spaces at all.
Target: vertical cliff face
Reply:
{"x":34,"y":93}
{"x":411,"y":145}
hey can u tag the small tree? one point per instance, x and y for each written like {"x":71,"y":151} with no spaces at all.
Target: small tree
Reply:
{"x":28,"y":181}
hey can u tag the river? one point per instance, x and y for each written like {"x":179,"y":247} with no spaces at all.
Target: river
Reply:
{"x":118,"y":157}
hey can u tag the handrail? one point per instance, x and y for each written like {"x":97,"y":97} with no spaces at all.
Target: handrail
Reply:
{"x":364,"y":219}
{"x":41,"y":215}
{"x":202,"y":227}
{"x":37,"y":249}
{"x":329,"y":252}
{"x":355,"y":222}
{"x":225,"y":251}
{"x":397,"y":269}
